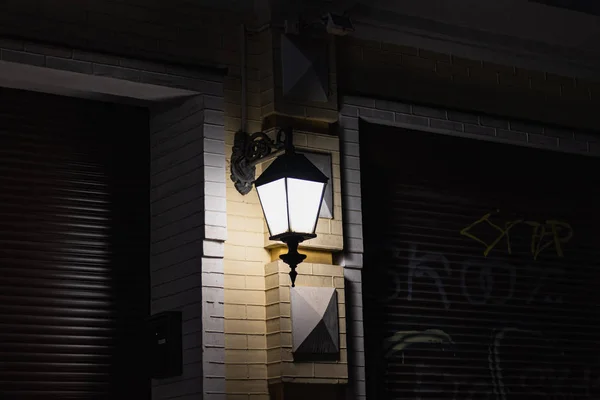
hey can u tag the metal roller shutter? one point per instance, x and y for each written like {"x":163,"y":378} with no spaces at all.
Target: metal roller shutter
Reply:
{"x":481,"y":269}
{"x":73,"y":247}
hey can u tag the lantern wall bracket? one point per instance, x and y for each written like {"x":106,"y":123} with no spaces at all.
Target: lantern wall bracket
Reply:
{"x":249,"y":150}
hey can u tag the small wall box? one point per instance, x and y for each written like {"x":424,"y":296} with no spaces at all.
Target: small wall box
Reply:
{"x":164,"y":334}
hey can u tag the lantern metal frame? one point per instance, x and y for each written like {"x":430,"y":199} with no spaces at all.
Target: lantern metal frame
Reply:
{"x":251,"y":150}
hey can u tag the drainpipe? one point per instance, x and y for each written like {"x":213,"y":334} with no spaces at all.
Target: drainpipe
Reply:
{"x":244,"y":100}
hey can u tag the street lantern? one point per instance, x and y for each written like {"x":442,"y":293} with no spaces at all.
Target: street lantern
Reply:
{"x":291,"y":192}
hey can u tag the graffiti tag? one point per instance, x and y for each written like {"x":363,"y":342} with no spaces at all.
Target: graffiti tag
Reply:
{"x":544,"y":235}
{"x":478,"y":281}
{"x":550,"y":377}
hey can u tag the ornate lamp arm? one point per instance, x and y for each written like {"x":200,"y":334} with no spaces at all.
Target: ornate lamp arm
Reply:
{"x":250,"y":150}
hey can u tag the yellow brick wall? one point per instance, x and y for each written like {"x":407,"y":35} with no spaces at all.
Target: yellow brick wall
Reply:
{"x":248,"y":348}
{"x":312,"y":256}
{"x":281,"y":365}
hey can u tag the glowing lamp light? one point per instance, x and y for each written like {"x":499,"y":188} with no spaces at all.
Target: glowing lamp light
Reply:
{"x":291,"y":192}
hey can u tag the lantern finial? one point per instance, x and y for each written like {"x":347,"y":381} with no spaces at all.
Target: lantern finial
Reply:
{"x":292,"y":257}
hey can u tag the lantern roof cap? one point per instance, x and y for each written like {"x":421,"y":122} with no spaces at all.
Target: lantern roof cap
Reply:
{"x":291,"y":165}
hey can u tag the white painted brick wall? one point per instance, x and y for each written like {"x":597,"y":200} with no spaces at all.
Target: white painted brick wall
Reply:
{"x":176,"y":167}
{"x":352,"y":256}
{"x":465,"y":124}
{"x":187,"y":243}
{"x":215,"y":234}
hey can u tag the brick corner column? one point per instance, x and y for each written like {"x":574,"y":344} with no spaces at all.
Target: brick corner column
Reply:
{"x":352,"y":256}
{"x":215,"y":234}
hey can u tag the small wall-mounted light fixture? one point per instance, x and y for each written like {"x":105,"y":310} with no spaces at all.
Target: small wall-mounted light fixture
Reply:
{"x":290,"y":190}
{"x":339,"y":25}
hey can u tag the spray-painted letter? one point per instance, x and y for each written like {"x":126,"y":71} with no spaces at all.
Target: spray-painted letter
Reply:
{"x":420,"y":266}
